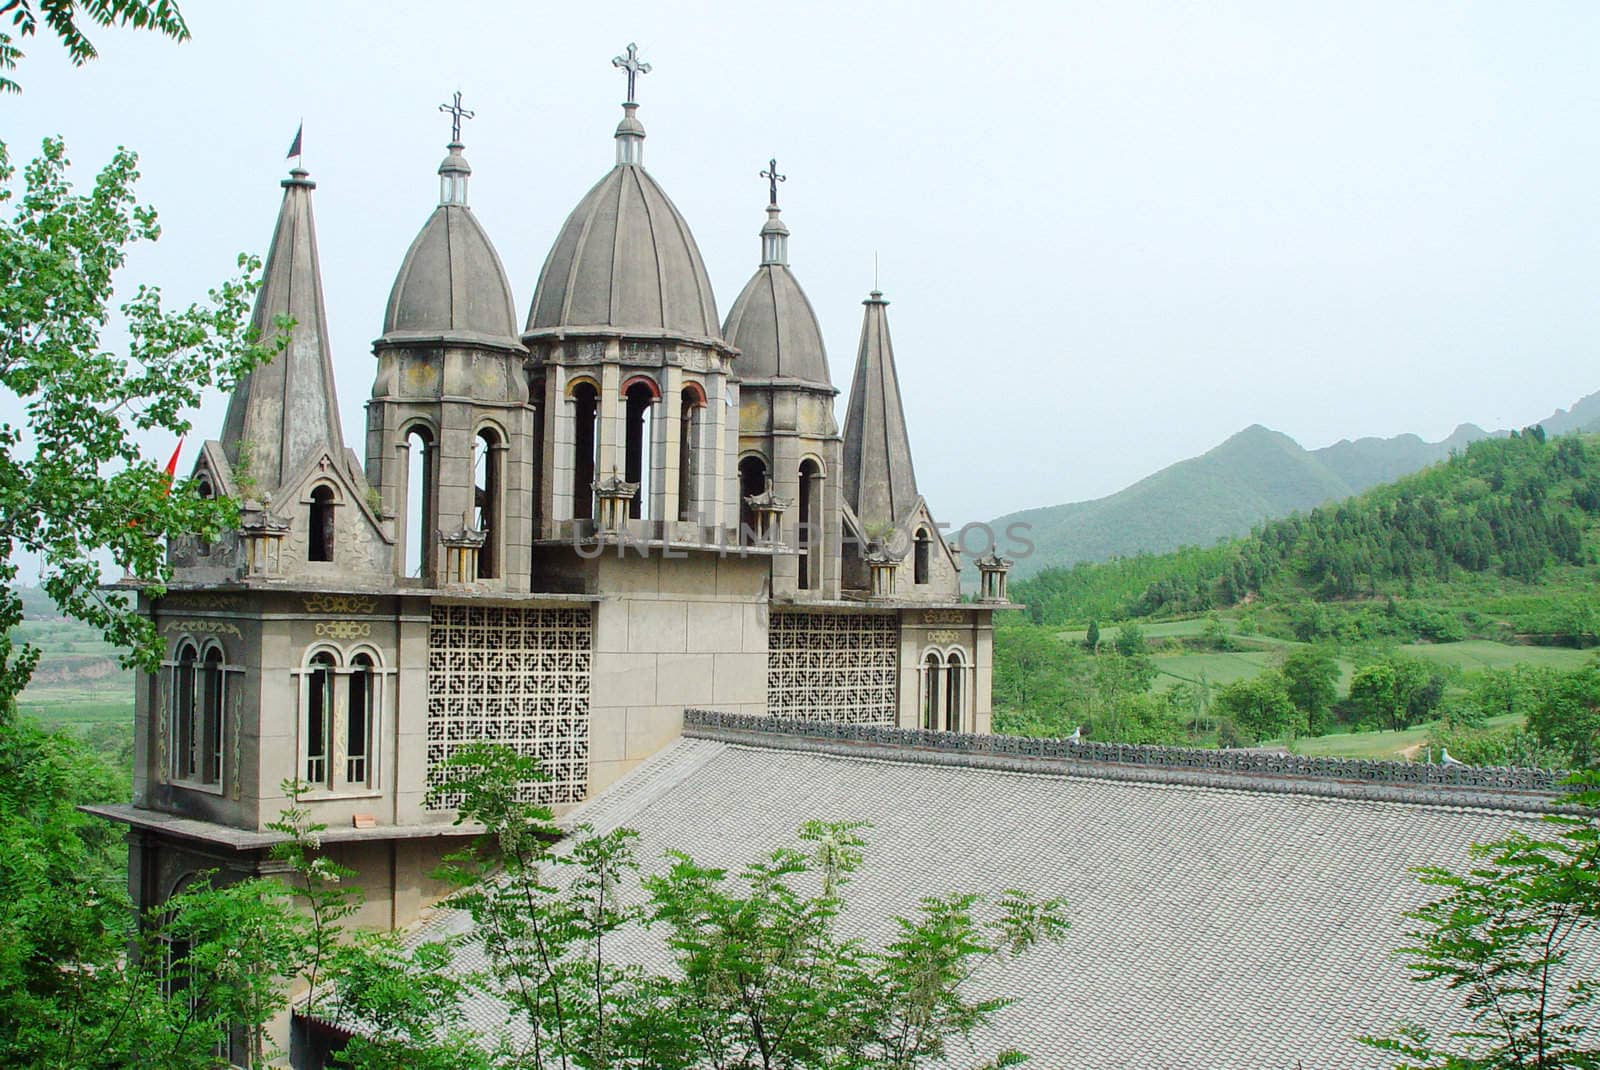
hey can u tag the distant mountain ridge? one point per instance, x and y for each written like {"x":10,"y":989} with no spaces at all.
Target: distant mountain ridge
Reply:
{"x":1257,"y":474}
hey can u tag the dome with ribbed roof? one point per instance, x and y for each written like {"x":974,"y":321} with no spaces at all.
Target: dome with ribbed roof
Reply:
{"x":772,"y":322}
{"x":451,"y":284}
{"x":625,"y":261}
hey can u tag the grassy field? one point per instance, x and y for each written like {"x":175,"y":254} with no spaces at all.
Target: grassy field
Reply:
{"x":1389,"y":745}
{"x":78,"y":682}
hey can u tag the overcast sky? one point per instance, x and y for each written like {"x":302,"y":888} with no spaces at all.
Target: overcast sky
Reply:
{"x":1112,"y":233}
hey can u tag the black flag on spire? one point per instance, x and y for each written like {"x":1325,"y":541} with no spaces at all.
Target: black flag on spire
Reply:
{"x":294,"y":147}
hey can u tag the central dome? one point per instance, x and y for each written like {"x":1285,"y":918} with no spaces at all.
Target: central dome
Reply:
{"x":625,"y":262}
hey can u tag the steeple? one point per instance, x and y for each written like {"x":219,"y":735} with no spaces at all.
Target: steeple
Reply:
{"x":287,"y":409}
{"x":879,"y":482}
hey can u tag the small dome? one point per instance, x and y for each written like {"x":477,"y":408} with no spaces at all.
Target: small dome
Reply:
{"x":451,"y":284}
{"x":776,"y":331}
{"x":626,"y":262}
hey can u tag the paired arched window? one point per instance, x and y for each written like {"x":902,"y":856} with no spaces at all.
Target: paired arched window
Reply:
{"x":922,"y":557}
{"x":420,"y":524}
{"x":488,"y":460}
{"x":638,"y":434}
{"x":319,"y":537}
{"x":809,"y":528}
{"x":197,"y":708}
{"x":691,"y":411}
{"x":944,"y":690}
{"x":752,"y":482}
{"x":585,"y":407}
{"x":342,"y":706}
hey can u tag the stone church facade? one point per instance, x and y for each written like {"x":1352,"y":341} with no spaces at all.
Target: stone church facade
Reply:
{"x":560,"y":538}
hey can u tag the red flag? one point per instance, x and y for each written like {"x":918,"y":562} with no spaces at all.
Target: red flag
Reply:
{"x":172,"y":465}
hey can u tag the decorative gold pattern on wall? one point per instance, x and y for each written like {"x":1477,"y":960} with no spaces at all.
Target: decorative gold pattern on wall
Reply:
{"x":203,"y":600}
{"x":944,"y":636}
{"x":944,"y":616}
{"x":344,"y":629}
{"x":340,"y":603}
{"x":238,"y":741}
{"x":203,"y":627}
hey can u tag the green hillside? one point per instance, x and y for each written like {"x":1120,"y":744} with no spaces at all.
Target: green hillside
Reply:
{"x":1256,"y":475}
{"x":1498,"y":542}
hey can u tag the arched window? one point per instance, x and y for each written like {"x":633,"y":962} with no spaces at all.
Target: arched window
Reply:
{"x":319,"y":720}
{"x":809,"y":529}
{"x":932,"y":675}
{"x":752,"y":481}
{"x":319,"y":543}
{"x":185,"y":688}
{"x":585,"y":404}
{"x":487,"y":461}
{"x":359,"y":721}
{"x":692,"y":404}
{"x":213,"y":695}
{"x":922,"y":558}
{"x":640,"y":398}
{"x":204,"y":490}
{"x":954,"y":691}
{"x":419,"y":503}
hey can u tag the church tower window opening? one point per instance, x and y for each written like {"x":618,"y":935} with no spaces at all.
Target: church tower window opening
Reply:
{"x":692,"y":403}
{"x":487,"y":462}
{"x":213,"y":695}
{"x":359,"y":721}
{"x":640,"y":395}
{"x":319,"y":720}
{"x":932,"y":675}
{"x":954,"y":691}
{"x":585,"y":407}
{"x":809,"y":528}
{"x":752,"y":482}
{"x":922,"y":557}
{"x":319,"y":542}
{"x":185,"y":673}
{"x":419,"y":502}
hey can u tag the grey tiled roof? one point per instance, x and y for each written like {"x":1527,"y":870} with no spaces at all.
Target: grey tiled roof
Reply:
{"x":1211,"y":928}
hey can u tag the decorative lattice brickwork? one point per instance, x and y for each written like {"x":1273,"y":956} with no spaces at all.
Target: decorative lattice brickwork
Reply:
{"x":834,"y":667}
{"x":513,"y":676}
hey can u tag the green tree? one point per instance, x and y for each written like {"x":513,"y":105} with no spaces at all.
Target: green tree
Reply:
{"x":73,"y":483}
{"x":763,"y":976}
{"x":1260,"y":705}
{"x":66,"y":19}
{"x":1091,"y":638}
{"x":1502,"y":935}
{"x":1130,"y":642}
{"x":1311,"y":677}
{"x":1396,"y":691}
{"x":1565,"y":715}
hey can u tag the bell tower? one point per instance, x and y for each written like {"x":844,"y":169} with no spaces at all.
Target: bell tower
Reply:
{"x":451,"y":446}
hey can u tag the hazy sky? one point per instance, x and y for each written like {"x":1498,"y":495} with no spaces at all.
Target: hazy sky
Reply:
{"x":1112,"y":233}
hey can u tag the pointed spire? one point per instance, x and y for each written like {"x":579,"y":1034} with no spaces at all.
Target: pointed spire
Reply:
{"x":879,"y":482}
{"x":286,"y":409}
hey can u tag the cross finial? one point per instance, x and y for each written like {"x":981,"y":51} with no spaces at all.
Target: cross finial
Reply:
{"x":630,"y":63}
{"x":773,"y":178}
{"x":457,"y":113}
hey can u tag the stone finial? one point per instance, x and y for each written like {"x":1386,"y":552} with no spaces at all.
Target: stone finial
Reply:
{"x":767,"y":508}
{"x":616,"y":496}
{"x":884,"y":566}
{"x":992,"y":570}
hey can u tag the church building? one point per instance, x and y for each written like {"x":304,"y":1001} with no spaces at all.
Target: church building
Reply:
{"x":560,"y":538}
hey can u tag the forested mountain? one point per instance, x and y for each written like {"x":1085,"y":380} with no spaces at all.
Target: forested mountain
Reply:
{"x":1256,"y":475}
{"x":1507,"y":527}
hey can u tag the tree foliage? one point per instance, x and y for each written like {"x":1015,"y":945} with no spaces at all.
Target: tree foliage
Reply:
{"x":1261,"y":706}
{"x":762,"y":976}
{"x":66,"y":19}
{"x":74,"y":484}
{"x":1501,"y":936}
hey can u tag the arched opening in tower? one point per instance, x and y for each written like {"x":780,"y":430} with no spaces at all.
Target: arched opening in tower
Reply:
{"x":420,"y":526}
{"x":487,"y":460}
{"x":641,"y":397}
{"x":809,"y":531}
{"x":585,"y":404}
{"x":752,"y":482}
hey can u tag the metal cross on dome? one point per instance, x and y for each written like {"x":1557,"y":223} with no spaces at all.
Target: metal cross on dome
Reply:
{"x":457,"y":113}
{"x":773,"y":178}
{"x":630,"y":63}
